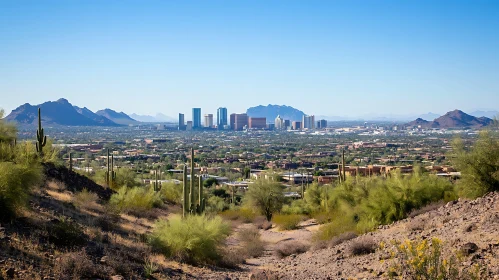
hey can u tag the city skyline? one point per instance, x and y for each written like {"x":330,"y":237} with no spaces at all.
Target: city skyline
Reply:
{"x":328,"y":58}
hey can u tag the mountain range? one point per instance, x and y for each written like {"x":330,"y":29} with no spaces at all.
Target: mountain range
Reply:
{"x":61,"y":112}
{"x":272,"y":111}
{"x":452,"y":119}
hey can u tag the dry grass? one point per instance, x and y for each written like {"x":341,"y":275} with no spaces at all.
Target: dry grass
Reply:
{"x":288,"y":248}
{"x":86,"y":199}
{"x":342,"y":238}
{"x":60,"y":196}
{"x":56,"y":186}
{"x":74,"y":265}
{"x":362,"y":246}
{"x":287,"y":222}
{"x":251,"y":244}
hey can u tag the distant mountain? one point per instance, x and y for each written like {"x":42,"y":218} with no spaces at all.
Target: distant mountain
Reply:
{"x":119,"y":118}
{"x":93,"y":116}
{"x":453,"y":119}
{"x":59,"y":112}
{"x":157,"y":118}
{"x":488,"y":114}
{"x":272,"y":111}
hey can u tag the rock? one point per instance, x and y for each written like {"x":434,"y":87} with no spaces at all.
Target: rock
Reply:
{"x":117,"y":277}
{"x":10,"y":272}
{"x":103,"y":260}
{"x":469,"y":248}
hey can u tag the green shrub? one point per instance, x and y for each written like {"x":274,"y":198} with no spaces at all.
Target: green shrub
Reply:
{"x":135,"y":199}
{"x":85,"y":199}
{"x":287,"y":222}
{"x":171,"y":192}
{"x":194,"y":239}
{"x":216,"y":204}
{"x":266,"y":196}
{"x":16,"y":181}
{"x":242,"y":214}
{"x":340,"y":223}
{"x":297,"y":207}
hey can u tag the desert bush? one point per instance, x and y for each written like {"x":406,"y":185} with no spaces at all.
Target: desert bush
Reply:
{"x":251,"y":244}
{"x":287,"y":222}
{"x":216,"y":204}
{"x":137,"y":199}
{"x":64,"y":232}
{"x":85,"y":199}
{"x":288,"y":248}
{"x":297,"y":207}
{"x":16,"y":181}
{"x":423,"y":259}
{"x":342,"y":238}
{"x":322,"y":217}
{"x":171,"y":192}
{"x":242,"y":214}
{"x":74,"y":265}
{"x":261,"y":223}
{"x":415,"y":224}
{"x":194,"y":239}
{"x":362,"y":246}
{"x":340,"y":223}
{"x":479,"y":165}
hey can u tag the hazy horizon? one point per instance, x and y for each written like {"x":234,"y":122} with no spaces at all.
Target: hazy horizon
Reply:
{"x":327,"y":58}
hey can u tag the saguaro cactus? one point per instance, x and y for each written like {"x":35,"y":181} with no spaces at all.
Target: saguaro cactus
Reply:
{"x":157,"y":184}
{"x":41,"y":138}
{"x":110,"y":173}
{"x":70,"y":162}
{"x":189,"y":204}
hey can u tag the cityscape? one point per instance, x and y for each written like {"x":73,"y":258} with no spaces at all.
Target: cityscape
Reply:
{"x":259,"y":140}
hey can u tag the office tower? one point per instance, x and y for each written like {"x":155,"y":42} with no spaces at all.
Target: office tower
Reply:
{"x":240,"y":121}
{"x":232,"y":121}
{"x":296,"y":125}
{"x":308,"y":122}
{"x":181,"y":121}
{"x":208,"y":120}
{"x":196,"y":117}
{"x":221,"y":117}
{"x":322,"y":124}
{"x":287,"y":124}
{"x":279,"y":123}
{"x":257,"y":123}
{"x":189,"y":125}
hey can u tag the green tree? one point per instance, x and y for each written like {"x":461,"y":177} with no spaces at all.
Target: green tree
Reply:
{"x":209,"y":182}
{"x":479,"y":165}
{"x":266,"y":196}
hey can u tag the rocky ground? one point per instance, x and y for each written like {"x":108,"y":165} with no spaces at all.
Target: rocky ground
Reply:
{"x":109,"y":246}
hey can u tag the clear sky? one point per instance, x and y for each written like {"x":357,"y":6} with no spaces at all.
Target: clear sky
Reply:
{"x":346,"y":58}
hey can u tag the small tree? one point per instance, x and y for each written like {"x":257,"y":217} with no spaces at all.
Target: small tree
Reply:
{"x":266,"y":196}
{"x":479,"y":165}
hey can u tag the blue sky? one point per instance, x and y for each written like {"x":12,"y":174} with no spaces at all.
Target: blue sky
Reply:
{"x":336,"y":58}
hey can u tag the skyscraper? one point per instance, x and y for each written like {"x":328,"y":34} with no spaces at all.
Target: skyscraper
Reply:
{"x":221,"y":117}
{"x":279,"y":123}
{"x":196,"y":117}
{"x":208,"y":120}
{"x":240,"y":121}
{"x":181,"y":121}
{"x":308,"y":122}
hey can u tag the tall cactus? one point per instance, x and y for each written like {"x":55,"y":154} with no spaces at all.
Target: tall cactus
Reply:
{"x":191,"y":190}
{"x":110,"y":173}
{"x":70,"y":162}
{"x":41,"y":138}
{"x":157,"y":184}
{"x":185,"y":194}
{"x":189,"y":203}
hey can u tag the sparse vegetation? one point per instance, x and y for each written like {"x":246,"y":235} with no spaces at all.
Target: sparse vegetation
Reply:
{"x":288,"y":248}
{"x":136,"y":199}
{"x":251,"y":244}
{"x":287,"y":222}
{"x":423,"y":259}
{"x":85,"y":199}
{"x":362,"y":246}
{"x":194,"y":239}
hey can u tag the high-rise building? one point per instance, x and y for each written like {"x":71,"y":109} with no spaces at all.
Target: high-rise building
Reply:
{"x":221,"y":117}
{"x":287,"y":124}
{"x":208,"y":120}
{"x":296,"y":125}
{"x":308,"y":122}
{"x":321,"y":124}
{"x":279,"y":123}
{"x":232,"y":122}
{"x":196,"y":117}
{"x":257,"y":123}
{"x":189,"y":125}
{"x":240,"y":121}
{"x":181,"y":121}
